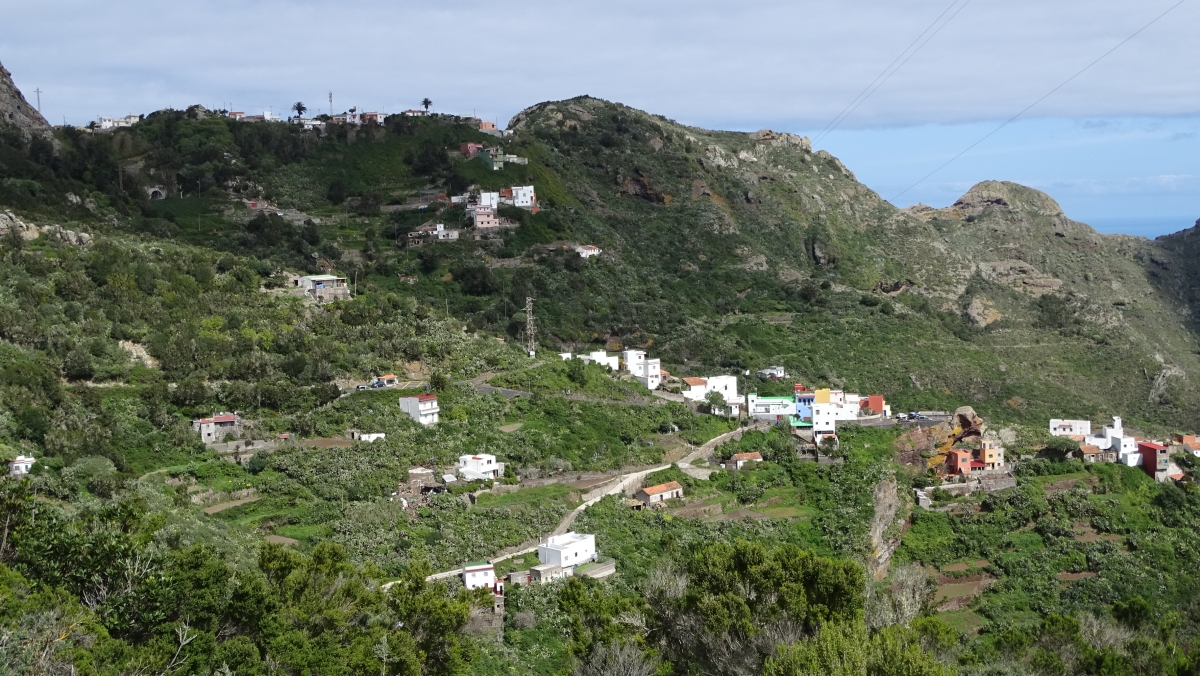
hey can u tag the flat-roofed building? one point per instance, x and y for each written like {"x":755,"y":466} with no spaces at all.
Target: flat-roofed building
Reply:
{"x":422,"y":408}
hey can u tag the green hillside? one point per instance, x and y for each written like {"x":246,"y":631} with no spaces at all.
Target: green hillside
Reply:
{"x":722,"y":252}
{"x":1000,"y":300}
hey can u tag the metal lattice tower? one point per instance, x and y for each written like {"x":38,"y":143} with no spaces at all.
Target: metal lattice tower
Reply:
{"x":530,"y":328}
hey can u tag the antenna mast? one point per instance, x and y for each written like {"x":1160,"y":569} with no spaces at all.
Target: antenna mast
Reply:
{"x":530,"y":328}
{"x":331,"y":104}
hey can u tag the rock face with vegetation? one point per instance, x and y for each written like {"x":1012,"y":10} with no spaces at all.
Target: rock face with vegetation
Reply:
{"x":124,"y":316}
{"x":16,"y":111}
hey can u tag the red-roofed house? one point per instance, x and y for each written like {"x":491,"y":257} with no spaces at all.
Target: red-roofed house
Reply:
{"x":659,"y":493}
{"x":421,"y":407}
{"x":1155,"y":459}
{"x":738,"y":460}
{"x":214,"y":430}
{"x":1189,"y":442}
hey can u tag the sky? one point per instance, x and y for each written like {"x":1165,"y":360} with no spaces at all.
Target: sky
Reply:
{"x":1116,"y":145}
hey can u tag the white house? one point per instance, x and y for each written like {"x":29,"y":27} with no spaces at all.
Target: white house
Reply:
{"x":830,"y":406}
{"x":489,"y":199}
{"x":421,"y":407}
{"x":1112,"y":437}
{"x":588,"y":250}
{"x":371,"y":437}
{"x":1070,"y":428}
{"x":214,"y":430}
{"x":524,"y":197}
{"x":479,"y":574}
{"x":564,"y":355}
{"x":568,"y":550}
{"x":647,"y":371}
{"x":308,"y":124}
{"x":118,"y":122}
{"x":482,"y":466}
{"x":21,"y":465}
{"x":650,"y":374}
{"x":732,"y":409}
{"x":438,"y":232}
{"x":696,"y":389}
{"x":769,"y":408}
{"x":602,"y":358}
{"x":772,"y":372}
{"x":826,"y":415}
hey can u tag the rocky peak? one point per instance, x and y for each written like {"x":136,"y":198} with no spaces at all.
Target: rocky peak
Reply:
{"x":1005,"y":195}
{"x":16,"y":111}
{"x":782,"y":139}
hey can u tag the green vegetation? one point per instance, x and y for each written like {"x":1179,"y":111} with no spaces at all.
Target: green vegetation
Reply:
{"x":722,"y":253}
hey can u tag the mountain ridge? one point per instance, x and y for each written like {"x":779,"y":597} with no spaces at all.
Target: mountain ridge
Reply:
{"x":701,"y":231}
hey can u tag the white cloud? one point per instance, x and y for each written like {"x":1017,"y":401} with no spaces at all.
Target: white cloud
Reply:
{"x":732,"y":65}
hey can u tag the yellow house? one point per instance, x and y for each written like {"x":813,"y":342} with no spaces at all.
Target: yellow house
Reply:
{"x":821,"y":396}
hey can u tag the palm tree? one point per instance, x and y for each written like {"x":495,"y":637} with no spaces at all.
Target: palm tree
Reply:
{"x":426,"y":103}
{"x":300,"y":108}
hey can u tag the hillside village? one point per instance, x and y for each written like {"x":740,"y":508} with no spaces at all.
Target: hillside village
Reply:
{"x":443,"y":395}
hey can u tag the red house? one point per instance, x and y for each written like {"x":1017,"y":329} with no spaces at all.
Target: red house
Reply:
{"x":874,"y":402}
{"x":1155,"y":459}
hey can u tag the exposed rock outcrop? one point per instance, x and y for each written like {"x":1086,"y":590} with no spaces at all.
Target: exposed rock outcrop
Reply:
{"x":783,"y":139}
{"x":8,"y":221}
{"x":28,"y":231}
{"x":16,"y":111}
{"x":981,"y":312}
{"x":64,"y":236}
{"x":1019,"y":275}
{"x":885,"y":537}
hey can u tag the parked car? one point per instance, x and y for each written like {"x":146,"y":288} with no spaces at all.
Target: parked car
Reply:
{"x":360,"y":388}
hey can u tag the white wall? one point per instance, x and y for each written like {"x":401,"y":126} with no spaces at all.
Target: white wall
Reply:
{"x":479,"y":578}
{"x":1064,"y":428}
{"x":566,"y":550}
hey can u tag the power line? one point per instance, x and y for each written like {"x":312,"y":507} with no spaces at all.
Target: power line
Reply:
{"x":867,"y":91}
{"x":1043,"y":98}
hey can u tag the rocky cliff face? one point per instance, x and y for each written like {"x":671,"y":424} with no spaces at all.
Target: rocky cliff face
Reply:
{"x":16,"y":111}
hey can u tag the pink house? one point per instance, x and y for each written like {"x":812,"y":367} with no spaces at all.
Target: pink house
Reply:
{"x":959,"y":461}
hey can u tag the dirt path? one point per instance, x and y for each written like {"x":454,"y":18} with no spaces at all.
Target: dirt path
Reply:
{"x":231,"y":504}
{"x":157,"y":471}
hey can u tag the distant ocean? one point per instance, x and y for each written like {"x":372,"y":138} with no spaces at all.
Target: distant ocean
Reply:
{"x":1142,"y":227}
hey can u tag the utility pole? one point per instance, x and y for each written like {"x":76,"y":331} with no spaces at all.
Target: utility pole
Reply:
{"x":38,"y":91}
{"x":530,"y":328}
